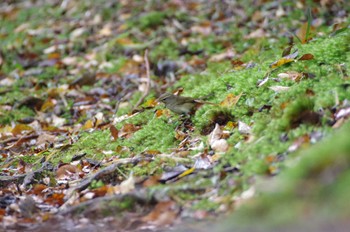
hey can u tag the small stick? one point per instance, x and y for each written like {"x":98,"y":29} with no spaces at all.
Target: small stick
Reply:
{"x":148,"y":81}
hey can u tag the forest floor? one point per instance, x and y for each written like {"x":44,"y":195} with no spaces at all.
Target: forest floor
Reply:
{"x":86,"y":146}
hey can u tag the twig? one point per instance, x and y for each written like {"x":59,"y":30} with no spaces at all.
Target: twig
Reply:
{"x":148,"y":84}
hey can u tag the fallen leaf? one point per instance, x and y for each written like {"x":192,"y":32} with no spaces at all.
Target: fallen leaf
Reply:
{"x":301,"y":141}
{"x":77,"y":33}
{"x":292,"y":75}
{"x":20,"y":129}
{"x":203,"y":162}
{"x":256,"y":34}
{"x":67,"y":171}
{"x":307,"y":56}
{"x":244,"y":128}
{"x":114,"y":132}
{"x":228,"y":54}
{"x":164,"y":213}
{"x":128,"y":130}
{"x":48,"y":105}
{"x":230,"y":100}
{"x":284,"y":60}
{"x":343,"y":113}
{"x":279,"y":89}
{"x":302,"y":33}
{"x":220,"y":145}
{"x":45,"y":138}
{"x":106,"y":30}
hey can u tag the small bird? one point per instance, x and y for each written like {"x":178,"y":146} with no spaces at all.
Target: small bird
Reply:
{"x":181,"y":105}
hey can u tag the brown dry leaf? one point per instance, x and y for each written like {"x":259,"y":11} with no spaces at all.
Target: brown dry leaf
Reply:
{"x":151,"y":181}
{"x":100,"y":191}
{"x":67,"y":171}
{"x":38,"y":189}
{"x":164,"y":213}
{"x":128,"y":130}
{"x":237,"y":64}
{"x":307,"y":56}
{"x":230,"y":100}
{"x":45,"y":138}
{"x":302,"y":33}
{"x":114,"y":132}
{"x":195,"y":61}
{"x":56,"y":199}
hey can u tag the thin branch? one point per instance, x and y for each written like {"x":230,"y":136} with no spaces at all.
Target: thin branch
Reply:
{"x":148,"y":83}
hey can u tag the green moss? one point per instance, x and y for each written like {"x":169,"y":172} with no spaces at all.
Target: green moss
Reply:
{"x":93,"y":144}
{"x":12,"y":116}
{"x":205,"y":204}
{"x":317,"y":183}
{"x":150,"y":19}
{"x":96,"y":184}
{"x":167,"y":49}
{"x":156,"y":135}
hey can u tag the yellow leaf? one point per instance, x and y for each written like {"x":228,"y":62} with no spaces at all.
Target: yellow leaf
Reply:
{"x":284,"y":60}
{"x":150,"y":103}
{"x":281,"y":62}
{"x":48,"y":104}
{"x":230,"y":100}
{"x":19,"y":128}
{"x":88,"y":125}
{"x":187,"y":172}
